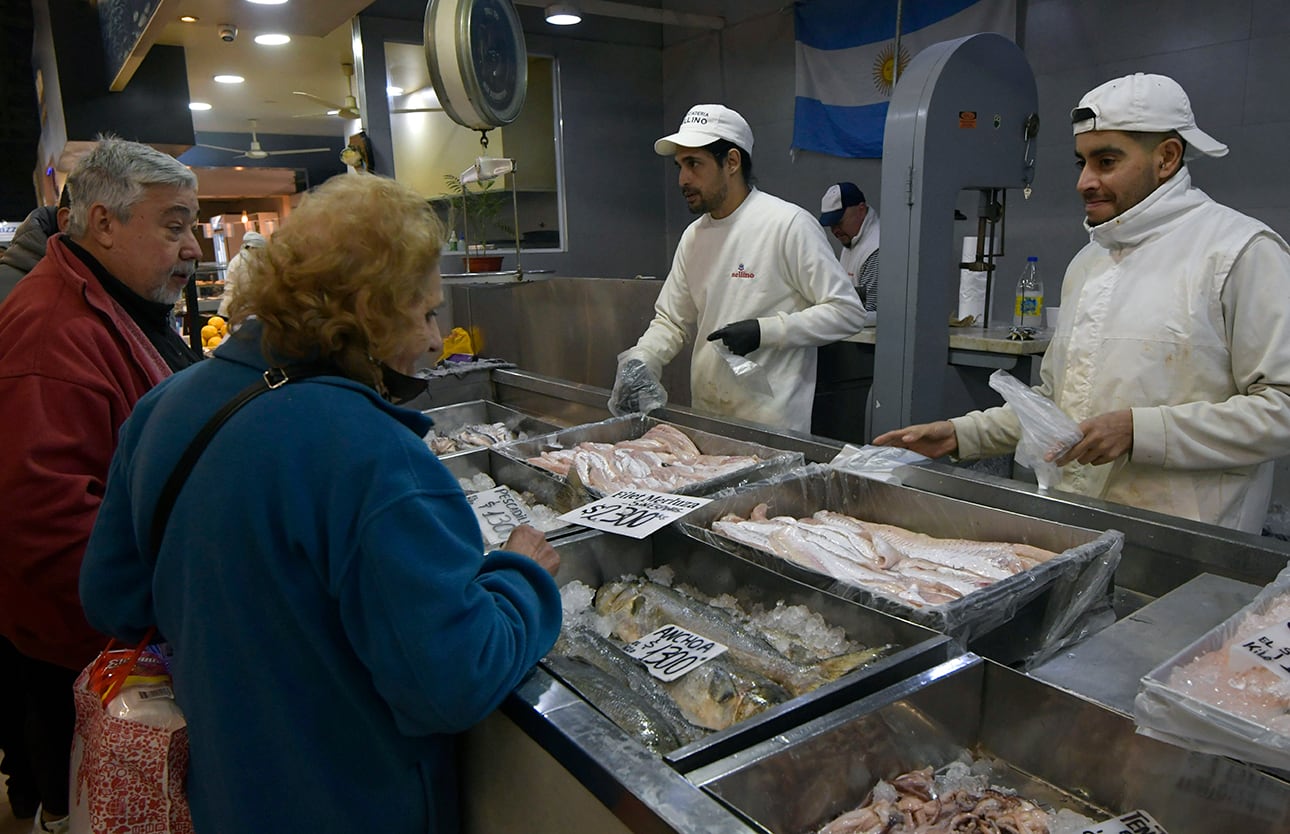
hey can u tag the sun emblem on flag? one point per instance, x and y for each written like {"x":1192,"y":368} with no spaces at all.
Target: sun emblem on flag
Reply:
{"x":884,"y":67}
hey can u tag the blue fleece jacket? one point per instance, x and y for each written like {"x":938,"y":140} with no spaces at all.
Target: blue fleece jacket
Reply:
{"x":324,"y":586}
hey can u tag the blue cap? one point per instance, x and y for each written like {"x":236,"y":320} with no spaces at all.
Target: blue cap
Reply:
{"x":837,"y":200}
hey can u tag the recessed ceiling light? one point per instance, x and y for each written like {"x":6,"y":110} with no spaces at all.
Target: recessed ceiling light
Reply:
{"x":188,"y":19}
{"x":394,"y":91}
{"x":267,"y":2}
{"x":272,"y":40}
{"x":198,"y":105}
{"x":333,"y":112}
{"x":229,"y":79}
{"x":562,"y":14}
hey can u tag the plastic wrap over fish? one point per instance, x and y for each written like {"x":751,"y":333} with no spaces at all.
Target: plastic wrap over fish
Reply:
{"x":769,"y":461}
{"x":1200,"y":699}
{"x":1064,"y":597}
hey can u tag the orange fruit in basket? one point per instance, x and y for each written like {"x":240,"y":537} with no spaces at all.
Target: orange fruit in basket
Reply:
{"x":212,"y":342}
{"x":208,"y":332}
{"x":216,"y":321}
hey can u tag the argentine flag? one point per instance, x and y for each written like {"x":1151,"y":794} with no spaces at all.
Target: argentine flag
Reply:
{"x":845,"y":62}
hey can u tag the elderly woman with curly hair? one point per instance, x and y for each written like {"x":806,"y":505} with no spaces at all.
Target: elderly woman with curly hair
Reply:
{"x":343,"y":621}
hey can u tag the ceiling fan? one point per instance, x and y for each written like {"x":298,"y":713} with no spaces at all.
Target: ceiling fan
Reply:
{"x":348,"y":110}
{"x":257,"y":152}
{"x":425,"y":92}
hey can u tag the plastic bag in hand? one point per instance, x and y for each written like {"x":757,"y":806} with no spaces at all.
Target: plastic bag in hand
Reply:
{"x":748,"y":372}
{"x":636,"y":389}
{"x":1045,"y":428}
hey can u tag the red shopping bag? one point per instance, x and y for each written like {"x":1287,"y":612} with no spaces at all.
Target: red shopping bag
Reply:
{"x":130,"y":748}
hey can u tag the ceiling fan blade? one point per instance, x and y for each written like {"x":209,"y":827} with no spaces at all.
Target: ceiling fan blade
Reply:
{"x":221,"y":148}
{"x":419,"y":110}
{"x":299,"y":150}
{"x":323,"y":101}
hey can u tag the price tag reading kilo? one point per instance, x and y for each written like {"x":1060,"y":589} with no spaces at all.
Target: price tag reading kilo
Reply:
{"x":1270,"y":648}
{"x":499,"y":512}
{"x":671,"y":651}
{"x":1134,"y":822}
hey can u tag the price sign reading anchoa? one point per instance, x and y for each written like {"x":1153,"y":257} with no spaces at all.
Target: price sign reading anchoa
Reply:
{"x":1269,"y":648}
{"x":634,"y":512}
{"x":1134,"y":822}
{"x":499,"y":512}
{"x":671,"y":651}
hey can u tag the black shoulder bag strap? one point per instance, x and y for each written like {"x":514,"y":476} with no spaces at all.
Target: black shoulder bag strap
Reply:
{"x":272,"y":378}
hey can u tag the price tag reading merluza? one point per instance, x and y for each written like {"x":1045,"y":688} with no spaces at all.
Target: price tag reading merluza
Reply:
{"x":499,"y":512}
{"x":671,"y":651}
{"x":1270,"y":648}
{"x":634,"y":512}
{"x":1134,"y":822}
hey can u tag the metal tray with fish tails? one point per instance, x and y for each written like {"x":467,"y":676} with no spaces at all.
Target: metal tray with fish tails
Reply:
{"x":633,"y":426}
{"x":449,"y":419}
{"x":1022,"y":617}
{"x":543,"y":486}
{"x":1051,"y":746}
{"x":598,"y":558}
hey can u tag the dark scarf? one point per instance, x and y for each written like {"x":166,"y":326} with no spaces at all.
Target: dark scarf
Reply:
{"x":153,"y":317}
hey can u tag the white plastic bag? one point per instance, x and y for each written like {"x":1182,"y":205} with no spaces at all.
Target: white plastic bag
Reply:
{"x":747,"y":371}
{"x":878,"y":463}
{"x":1045,"y":428}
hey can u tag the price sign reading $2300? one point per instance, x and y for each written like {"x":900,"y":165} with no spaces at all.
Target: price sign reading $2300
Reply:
{"x":634,"y":512}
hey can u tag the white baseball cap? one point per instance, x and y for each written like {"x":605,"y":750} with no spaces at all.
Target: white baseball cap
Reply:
{"x":1148,"y":103}
{"x":705,"y":124}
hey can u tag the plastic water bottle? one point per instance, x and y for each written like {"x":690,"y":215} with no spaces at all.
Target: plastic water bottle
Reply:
{"x":1029,"y":309}
{"x":452,"y":241}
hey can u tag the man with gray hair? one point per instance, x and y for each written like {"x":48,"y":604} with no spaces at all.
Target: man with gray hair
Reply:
{"x":1173,"y":348}
{"x":82,"y":337}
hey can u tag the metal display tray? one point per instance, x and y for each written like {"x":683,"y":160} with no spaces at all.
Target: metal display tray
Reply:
{"x":1009,"y":621}
{"x":632,"y":426}
{"x":1053,"y":747}
{"x":450,"y":418}
{"x":544,"y":486}
{"x":596,"y":558}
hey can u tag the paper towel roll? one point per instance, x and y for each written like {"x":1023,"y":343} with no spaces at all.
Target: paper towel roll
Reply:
{"x":971,"y":285}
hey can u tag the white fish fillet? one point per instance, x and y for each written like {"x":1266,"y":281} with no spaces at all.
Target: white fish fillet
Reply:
{"x":664,"y":459}
{"x":913,"y":567}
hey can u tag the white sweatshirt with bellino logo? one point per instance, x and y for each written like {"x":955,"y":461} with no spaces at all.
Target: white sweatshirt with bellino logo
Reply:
{"x":769,"y":261}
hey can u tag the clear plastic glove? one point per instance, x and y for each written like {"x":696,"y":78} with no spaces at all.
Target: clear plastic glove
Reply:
{"x":636,"y":389}
{"x":742,"y":337}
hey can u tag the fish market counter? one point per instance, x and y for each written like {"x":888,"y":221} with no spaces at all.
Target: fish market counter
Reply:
{"x":549,"y":760}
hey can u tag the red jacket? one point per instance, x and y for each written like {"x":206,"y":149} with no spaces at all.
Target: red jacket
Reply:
{"x":72,"y":366}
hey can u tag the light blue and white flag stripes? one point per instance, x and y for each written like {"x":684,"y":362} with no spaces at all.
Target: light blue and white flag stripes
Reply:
{"x":845,"y":62}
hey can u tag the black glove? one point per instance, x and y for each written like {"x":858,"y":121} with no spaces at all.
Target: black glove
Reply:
{"x":742,"y":337}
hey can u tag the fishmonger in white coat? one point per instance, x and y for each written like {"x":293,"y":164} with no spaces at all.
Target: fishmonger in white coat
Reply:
{"x":1173,"y":348}
{"x":754,"y":273}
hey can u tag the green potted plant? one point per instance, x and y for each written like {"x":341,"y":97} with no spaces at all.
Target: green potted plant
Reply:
{"x":482,"y":207}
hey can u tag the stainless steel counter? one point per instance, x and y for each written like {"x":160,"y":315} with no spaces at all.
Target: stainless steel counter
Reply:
{"x":1176,"y":579}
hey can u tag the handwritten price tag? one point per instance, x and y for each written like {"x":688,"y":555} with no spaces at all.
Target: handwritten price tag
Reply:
{"x":499,"y":512}
{"x":671,"y":651}
{"x":1269,"y":648}
{"x":1134,"y":822}
{"x":634,"y":512}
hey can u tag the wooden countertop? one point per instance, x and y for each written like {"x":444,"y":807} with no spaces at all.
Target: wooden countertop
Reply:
{"x":986,"y":339}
